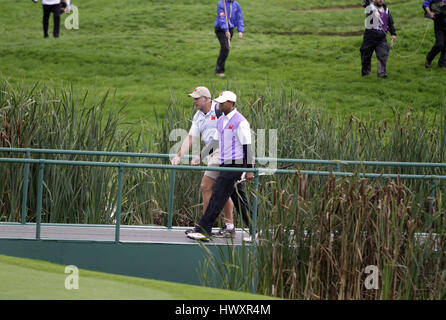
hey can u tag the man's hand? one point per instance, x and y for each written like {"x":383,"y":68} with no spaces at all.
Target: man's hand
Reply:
{"x":228,"y":35}
{"x":195,"y":161}
{"x":392,"y":39}
{"x":176,"y":160}
{"x":68,"y":9}
{"x":430,"y":13}
{"x":240,"y":35}
{"x":249,"y":176}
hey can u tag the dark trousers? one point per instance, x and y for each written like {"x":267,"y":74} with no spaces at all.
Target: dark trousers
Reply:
{"x":374,"y":41}
{"x":439,"y":46}
{"x":55,"y":9}
{"x":222,"y":190}
{"x":224,"y":49}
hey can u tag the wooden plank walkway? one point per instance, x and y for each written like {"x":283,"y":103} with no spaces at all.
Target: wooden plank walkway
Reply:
{"x":142,"y":234}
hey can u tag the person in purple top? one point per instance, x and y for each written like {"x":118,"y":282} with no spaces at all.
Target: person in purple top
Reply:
{"x":440,"y":35}
{"x":234,"y":141}
{"x":229,"y":16}
{"x":378,"y":22}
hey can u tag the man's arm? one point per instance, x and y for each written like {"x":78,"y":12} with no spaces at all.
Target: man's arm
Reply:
{"x":248,"y":160}
{"x":244,"y":136}
{"x":185,"y":146}
{"x":240,"y":22}
{"x":429,"y":12}
{"x":68,"y":9}
{"x":426,"y":6}
{"x":391,"y":26}
{"x":221,"y":17}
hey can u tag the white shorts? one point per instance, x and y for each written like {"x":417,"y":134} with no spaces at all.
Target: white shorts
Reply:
{"x":213,"y":161}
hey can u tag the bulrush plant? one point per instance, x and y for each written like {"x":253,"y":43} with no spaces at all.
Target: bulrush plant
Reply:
{"x":318,"y":243}
{"x":39,"y":117}
{"x":318,"y":235}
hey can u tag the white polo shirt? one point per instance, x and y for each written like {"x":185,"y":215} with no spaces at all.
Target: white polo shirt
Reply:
{"x":205,"y":125}
{"x":52,"y":2}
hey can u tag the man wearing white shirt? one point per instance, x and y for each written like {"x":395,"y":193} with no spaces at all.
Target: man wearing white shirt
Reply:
{"x":52,"y":6}
{"x":234,"y":142}
{"x":204,"y":124}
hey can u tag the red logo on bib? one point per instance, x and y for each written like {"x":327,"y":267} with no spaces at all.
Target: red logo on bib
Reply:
{"x":213,"y":118}
{"x":230,"y":127}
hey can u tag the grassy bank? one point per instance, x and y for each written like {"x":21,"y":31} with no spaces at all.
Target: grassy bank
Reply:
{"x":150,"y":50}
{"x":296,"y":70}
{"x":26,"y":279}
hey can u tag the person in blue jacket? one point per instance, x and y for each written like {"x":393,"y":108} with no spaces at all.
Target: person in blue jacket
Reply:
{"x":229,"y":16}
{"x":440,"y":36}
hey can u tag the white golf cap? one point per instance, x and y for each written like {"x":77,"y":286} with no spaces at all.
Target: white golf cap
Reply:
{"x":200,"y":92}
{"x":226,"y":96}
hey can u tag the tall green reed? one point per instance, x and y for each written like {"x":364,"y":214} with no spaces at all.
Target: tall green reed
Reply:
{"x":316,"y":241}
{"x":39,"y":117}
{"x":232,"y":268}
{"x":47,"y":118}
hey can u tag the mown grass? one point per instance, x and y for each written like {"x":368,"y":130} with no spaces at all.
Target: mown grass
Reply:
{"x":298,"y":72}
{"x":150,"y":50}
{"x":26,"y":279}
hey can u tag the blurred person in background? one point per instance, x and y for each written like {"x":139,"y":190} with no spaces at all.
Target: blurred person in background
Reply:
{"x":436,"y":10}
{"x":229,"y":16}
{"x":378,"y":22}
{"x":56,"y":7}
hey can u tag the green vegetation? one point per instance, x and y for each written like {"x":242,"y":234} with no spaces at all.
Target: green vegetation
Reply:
{"x":296,"y":71}
{"x":40,"y":118}
{"x":26,"y":279}
{"x":149,"y":50}
{"x":318,"y":233}
{"x":317,"y":238}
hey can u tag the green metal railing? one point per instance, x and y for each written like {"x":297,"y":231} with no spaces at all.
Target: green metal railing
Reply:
{"x":257,"y":172}
{"x":121,"y":166}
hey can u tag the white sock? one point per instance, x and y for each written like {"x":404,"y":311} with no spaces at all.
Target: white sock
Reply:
{"x":229,"y":226}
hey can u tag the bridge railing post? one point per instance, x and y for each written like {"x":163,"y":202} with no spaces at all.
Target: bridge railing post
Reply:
{"x":25,"y":187}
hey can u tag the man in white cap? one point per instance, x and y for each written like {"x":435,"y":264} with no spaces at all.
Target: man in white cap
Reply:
{"x":204,"y":124}
{"x":234,"y":142}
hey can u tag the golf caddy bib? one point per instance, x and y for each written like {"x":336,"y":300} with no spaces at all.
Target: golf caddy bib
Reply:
{"x":230,"y":147}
